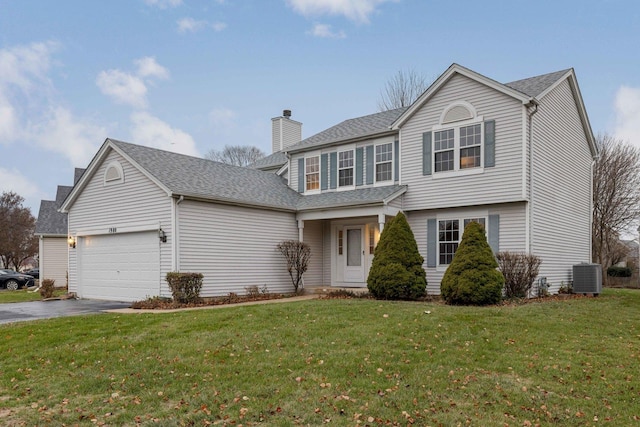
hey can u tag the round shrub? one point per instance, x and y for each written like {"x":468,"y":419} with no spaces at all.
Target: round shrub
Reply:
{"x":472,"y":277}
{"x":396,"y":271}
{"x":615,"y":271}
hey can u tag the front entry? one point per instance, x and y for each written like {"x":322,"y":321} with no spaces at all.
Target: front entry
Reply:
{"x":354,"y":259}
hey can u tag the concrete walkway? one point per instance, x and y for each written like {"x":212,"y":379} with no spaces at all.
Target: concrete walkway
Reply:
{"x":210,"y":307}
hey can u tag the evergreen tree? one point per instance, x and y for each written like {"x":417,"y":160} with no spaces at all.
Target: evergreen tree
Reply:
{"x":396,"y":271}
{"x":472,"y":277}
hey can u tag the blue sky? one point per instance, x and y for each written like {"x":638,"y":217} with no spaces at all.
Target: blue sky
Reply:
{"x":194,"y":75}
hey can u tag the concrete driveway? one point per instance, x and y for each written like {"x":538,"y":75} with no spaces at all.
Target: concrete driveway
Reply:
{"x":22,"y":311}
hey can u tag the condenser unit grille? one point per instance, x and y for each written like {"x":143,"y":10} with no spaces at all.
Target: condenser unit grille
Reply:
{"x":587,"y":279}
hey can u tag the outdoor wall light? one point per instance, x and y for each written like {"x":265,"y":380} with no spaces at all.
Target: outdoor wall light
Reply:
{"x":162,"y":236}
{"x":72,"y":242}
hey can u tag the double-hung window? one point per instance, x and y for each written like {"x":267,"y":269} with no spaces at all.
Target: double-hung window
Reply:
{"x":312,"y":173}
{"x":449,"y":236}
{"x":384,"y":162}
{"x":345,"y":168}
{"x":457,"y":148}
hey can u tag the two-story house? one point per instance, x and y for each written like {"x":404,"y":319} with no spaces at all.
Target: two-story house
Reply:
{"x":516,"y":157}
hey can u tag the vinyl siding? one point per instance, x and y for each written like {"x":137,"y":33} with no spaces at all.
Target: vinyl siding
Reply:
{"x":287,"y":130}
{"x":512,"y":232}
{"x":502,"y":183}
{"x":54,"y":260}
{"x":313,"y":236}
{"x":561,"y":200}
{"x":136,"y":201}
{"x":234,"y":247}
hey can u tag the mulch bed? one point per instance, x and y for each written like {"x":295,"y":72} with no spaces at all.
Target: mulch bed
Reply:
{"x":158,"y":303}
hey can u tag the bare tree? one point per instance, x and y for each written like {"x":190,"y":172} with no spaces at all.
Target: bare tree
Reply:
{"x":616,"y":197}
{"x":297,"y":255}
{"x":238,"y":155}
{"x":401,"y":90}
{"x":17,"y":241}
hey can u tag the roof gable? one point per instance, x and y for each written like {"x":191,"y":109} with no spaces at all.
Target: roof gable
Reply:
{"x":50,"y":220}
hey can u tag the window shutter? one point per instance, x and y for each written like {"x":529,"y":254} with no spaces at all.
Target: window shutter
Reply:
{"x":432,"y":242}
{"x":359,"y":165}
{"x":324,"y":160}
{"x":396,"y":160}
{"x":301,"y":175}
{"x":489,"y":143}
{"x":426,"y":153}
{"x":333,"y":166}
{"x":494,"y":233}
{"x":369,"y":164}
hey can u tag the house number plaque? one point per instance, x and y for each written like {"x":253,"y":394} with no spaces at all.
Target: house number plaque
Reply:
{"x":113,"y":230}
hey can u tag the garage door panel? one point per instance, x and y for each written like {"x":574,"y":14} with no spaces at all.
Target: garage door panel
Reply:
{"x":124,"y":267}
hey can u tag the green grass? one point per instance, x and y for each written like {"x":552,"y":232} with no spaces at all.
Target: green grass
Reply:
{"x":24,"y":295}
{"x":343,"y":362}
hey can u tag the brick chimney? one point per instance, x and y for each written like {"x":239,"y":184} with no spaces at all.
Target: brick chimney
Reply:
{"x":285,"y":132}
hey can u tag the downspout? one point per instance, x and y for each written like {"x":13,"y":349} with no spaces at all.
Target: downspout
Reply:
{"x":532,"y":108}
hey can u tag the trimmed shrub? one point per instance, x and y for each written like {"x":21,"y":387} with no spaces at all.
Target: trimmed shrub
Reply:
{"x":520,"y":271}
{"x":46,"y":288}
{"x":185,"y":287}
{"x":472,"y":277}
{"x":614,"y":271}
{"x":396,"y":271}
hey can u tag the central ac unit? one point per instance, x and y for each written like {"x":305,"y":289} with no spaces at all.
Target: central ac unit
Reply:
{"x":587,"y":279}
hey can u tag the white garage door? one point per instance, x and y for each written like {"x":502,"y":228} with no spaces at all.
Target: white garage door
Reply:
{"x":119,"y":267}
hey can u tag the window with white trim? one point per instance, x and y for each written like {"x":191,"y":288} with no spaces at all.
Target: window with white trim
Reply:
{"x":458,"y":148}
{"x":345,"y":168}
{"x":450,"y":235}
{"x":384,"y":162}
{"x":312,"y":173}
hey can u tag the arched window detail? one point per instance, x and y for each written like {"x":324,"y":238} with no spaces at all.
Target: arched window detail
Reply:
{"x":113,"y":174}
{"x":457,"y":112}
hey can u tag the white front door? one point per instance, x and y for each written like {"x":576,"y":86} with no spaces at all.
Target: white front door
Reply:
{"x":354,"y":259}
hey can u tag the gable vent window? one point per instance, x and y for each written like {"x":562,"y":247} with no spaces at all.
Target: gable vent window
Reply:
{"x":113,"y":174}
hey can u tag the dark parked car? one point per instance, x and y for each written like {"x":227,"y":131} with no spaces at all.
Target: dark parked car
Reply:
{"x":35,"y":272}
{"x":11,"y":280}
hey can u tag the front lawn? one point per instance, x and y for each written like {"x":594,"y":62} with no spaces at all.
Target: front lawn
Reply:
{"x":340,"y":362}
{"x":25,"y":295}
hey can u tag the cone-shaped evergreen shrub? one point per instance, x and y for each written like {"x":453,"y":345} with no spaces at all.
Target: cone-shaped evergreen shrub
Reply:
{"x":472,"y":277}
{"x":396,"y":271}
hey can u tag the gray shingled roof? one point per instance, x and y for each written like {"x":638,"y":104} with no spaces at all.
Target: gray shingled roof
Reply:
{"x":359,"y":127}
{"x":360,"y":196}
{"x":275,"y":160}
{"x":50,"y":221}
{"x":534,"y":86}
{"x":196,"y":177}
{"x":77,"y":174}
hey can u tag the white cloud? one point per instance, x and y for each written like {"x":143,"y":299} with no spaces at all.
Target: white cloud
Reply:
{"x":148,"y":67}
{"x":627,"y":110}
{"x":13,"y":180}
{"x":9,"y":127}
{"x":25,"y":67}
{"x":191,"y":25}
{"x":355,"y":10}
{"x":163,"y":4}
{"x":324,"y":31}
{"x":61,"y":132}
{"x":153,"y":132}
{"x":123,"y":88}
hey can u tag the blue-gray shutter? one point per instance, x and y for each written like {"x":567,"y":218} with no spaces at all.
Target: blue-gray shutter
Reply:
{"x":359,"y":165}
{"x":396,"y":160}
{"x":324,"y":160}
{"x":369,"y":149}
{"x":333,"y":166}
{"x":426,"y":153}
{"x":494,"y":233}
{"x":489,"y":143}
{"x":300,"y":175}
{"x":432,"y":243}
